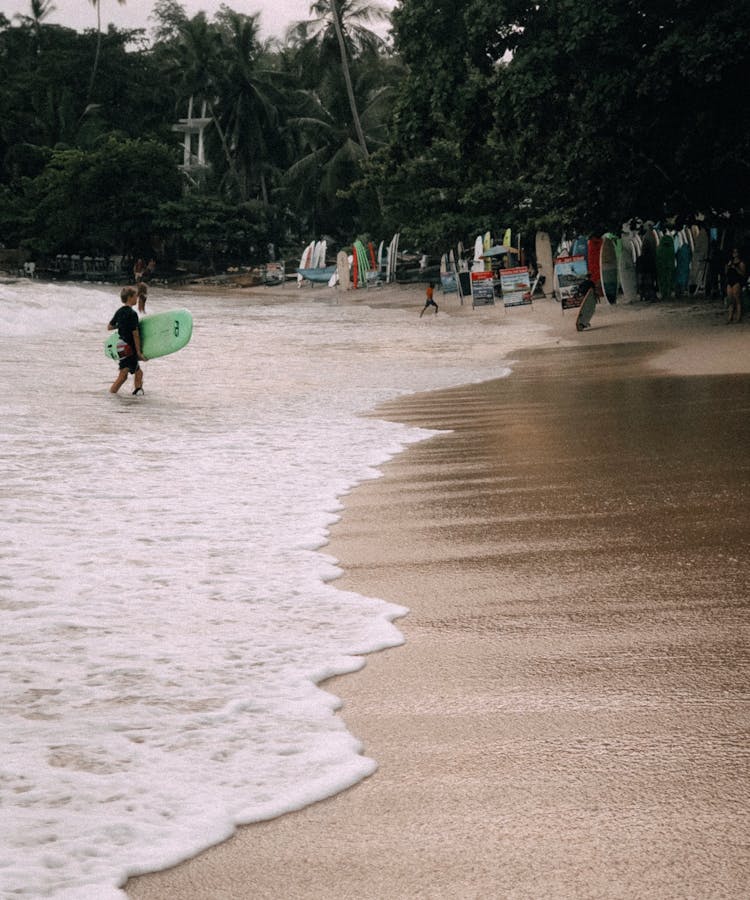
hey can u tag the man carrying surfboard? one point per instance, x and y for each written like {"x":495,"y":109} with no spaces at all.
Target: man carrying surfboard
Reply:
{"x":125,"y":322}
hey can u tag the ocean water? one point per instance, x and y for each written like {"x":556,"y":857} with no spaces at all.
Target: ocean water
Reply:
{"x":167,"y":604}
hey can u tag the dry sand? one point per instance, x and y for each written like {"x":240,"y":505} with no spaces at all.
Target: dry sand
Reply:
{"x":568,"y":717}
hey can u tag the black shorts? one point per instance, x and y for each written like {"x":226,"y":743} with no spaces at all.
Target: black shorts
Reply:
{"x":130,"y":363}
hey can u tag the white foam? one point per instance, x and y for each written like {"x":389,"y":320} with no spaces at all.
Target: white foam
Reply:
{"x":165,"y":606}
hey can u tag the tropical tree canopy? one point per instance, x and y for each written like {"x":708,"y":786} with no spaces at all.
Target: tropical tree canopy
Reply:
{"x":85,"y":199}
{"x":577,"y":114}
{"x":569,"y":115}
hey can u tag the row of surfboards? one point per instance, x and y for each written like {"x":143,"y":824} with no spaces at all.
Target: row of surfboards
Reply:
{"x":364,"y":266}
{"x":672,"y":260}
{"x":484,"y":251}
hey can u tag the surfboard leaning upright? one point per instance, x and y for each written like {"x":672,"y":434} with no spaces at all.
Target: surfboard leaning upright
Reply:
{"x":586,"y":311}
{"x":161,"y":334}
{"x":665,"y":267}
{"x":627,"y":270}
{"x":544,"y":261}
{"x":593,"y":257}
{"x":342,"y":267}
{"x":608,"y":269}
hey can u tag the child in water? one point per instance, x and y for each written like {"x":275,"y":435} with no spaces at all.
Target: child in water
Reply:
{"x":429,"y":301}
{"x":125,"y":321}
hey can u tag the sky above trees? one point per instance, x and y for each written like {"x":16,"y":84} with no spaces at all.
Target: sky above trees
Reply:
{"x":275,"y":15}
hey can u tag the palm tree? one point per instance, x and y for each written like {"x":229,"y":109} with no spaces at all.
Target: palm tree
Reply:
{"x":335,"y":15}
{"x":40,"y":9}
{"x":328,"y":157}
{"x":247,"y":100}
{"x":193,"y":57}
{"x":192,"y":66}
{"x":345,"y":20}
{"x":223,"y":65}
{"x":97,"y":4}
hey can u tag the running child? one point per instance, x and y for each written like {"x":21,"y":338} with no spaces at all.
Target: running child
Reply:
{"x":429,"y":301}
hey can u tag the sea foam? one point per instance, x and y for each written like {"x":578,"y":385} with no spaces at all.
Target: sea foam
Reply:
{"x":167,"y":607}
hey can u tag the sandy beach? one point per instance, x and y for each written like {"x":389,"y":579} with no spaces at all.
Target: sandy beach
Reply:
{"x":568,"y":717}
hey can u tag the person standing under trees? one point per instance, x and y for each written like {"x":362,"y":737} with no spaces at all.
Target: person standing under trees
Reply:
{"x":736,"y":272}
{"x":148,"y":272}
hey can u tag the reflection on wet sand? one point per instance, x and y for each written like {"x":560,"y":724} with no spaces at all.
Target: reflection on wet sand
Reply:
{"x":568,"y":717}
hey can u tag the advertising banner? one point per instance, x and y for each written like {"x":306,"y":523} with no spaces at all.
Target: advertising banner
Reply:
{"x":570,"y":271}
{"x":516,"y":286}
{"x":482,"y":289}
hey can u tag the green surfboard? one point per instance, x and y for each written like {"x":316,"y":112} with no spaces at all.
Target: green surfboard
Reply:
{"x":363,"y":262}
{"x":665,"y":267}
{"x":161,"y":334}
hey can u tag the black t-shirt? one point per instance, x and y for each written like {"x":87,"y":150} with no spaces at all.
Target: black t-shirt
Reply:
{"x":125,"y":320}
{"x":584,"y":287}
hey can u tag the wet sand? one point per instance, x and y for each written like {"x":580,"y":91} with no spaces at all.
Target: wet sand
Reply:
{"x":569,"y":715}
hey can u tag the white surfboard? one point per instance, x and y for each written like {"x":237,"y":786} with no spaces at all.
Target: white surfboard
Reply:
{"x":394,"y":258}
{"x":699,"y":263}
{"x":627,"y":272}
{"x":544,"y":261}
{"x":304,"y":262}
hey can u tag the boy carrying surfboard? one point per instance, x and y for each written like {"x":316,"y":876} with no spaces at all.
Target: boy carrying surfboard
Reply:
{"x":125,"y":322}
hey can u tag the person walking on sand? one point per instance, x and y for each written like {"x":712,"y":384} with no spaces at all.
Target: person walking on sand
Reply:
{"x":429,"y":301}
{"x":736,"y":272}
{"x":138,"y":269}
{"x":125,"y":322}
{"x":142,"y":293}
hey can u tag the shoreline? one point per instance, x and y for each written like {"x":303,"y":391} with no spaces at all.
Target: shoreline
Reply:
{"x":476,"y":683}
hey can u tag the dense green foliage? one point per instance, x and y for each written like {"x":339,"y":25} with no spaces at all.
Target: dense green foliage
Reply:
{"x":648,"y":94}
{"x":89,"y":159}
{"x":567,"y":114}
{"x":99,"y":198}
{"x":572,"y":115}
